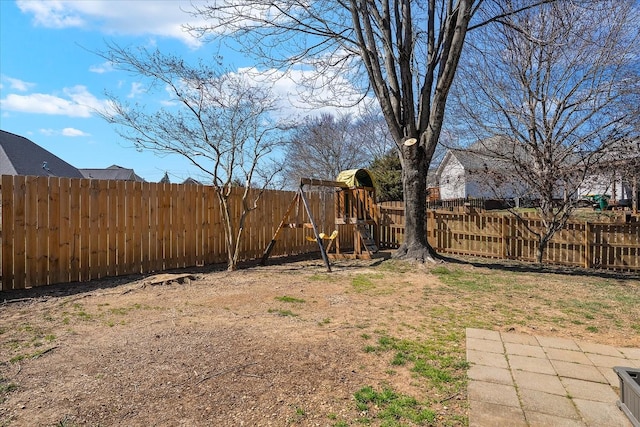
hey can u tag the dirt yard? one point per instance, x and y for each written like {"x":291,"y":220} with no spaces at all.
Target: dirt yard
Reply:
{"x":373,"y":343}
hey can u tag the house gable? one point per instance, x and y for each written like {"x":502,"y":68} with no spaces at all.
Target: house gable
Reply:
{"x":21,"y":156}
{"x":478,"y":171}
{"x":451,"y":177}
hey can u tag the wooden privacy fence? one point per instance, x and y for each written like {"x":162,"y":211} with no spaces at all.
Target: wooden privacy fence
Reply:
{"x":614,"y":246}
{"x":59,"y":230}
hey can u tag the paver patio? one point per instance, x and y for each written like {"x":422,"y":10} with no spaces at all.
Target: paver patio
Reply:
{"x":535,"y":381}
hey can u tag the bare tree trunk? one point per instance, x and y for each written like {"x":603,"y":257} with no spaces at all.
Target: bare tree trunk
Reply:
{"x":236,"y":252}
{"x":227,"y":222}
{"x":540,"y":251}
{"x":634,"y":196}
{"x":414,"y":181}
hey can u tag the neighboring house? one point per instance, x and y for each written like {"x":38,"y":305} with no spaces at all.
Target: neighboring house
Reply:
{"x":618,"y":173}
{"x":113,"y":172}
{"x":191,"y":181}
{"x":610,"y":182}
{"x":470,"y":173}
{"x":21,"y":156}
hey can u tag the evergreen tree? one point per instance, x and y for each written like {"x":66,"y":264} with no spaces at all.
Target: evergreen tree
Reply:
{"x":387,"y":172}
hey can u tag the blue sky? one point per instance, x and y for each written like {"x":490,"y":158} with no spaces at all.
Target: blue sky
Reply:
{"x":51,"y":80}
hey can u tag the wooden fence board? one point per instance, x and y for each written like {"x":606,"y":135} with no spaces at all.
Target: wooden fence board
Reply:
{"x":121,"y":229}
{"x":94,"y":223}
{"x":137,"y":230}
{"x":42,"y":233}
{"x":7,"y":233}
{"x":153,"y":257}
{"x":53,"y":232}
{"x":112,"y":228}
{"x":74,"y":230}
{"x":19,"y":243}
{"x":31,"y":225}
{"x":85,"y":230}
{"x":64,"y":229}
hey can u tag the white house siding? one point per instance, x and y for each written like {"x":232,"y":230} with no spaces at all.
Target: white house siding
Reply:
{"x":606,"y":183}
{"x":452,"y":179}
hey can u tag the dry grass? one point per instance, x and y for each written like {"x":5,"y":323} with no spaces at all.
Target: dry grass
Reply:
{"x":373,"y":343}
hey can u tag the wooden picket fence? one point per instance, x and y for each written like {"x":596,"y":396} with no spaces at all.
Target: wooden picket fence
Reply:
{"x":614,"y":246}
{"x":61,"y":230}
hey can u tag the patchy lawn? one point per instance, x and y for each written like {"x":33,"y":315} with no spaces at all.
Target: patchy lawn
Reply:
{"x":373,"y":343}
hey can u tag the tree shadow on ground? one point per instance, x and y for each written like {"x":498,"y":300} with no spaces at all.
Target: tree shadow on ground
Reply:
{"x":303,"y":262}
{"x":309,"y":261}
{"x":527,"y":267}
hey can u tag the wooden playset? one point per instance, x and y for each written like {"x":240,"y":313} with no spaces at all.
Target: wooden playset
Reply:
{"x":355,"y":212}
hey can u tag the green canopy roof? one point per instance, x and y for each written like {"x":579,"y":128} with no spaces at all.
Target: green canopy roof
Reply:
{"x":356,"y":178}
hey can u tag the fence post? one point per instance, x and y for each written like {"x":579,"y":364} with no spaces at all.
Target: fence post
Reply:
{"x":503,"y":235}
{"x":431,"y":219}
{"x":587,"y":244}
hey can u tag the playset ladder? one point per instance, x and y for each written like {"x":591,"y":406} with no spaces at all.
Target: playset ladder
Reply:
{"x":365,"y":237}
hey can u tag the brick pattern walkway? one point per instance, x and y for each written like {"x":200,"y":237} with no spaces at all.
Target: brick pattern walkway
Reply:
{"x":531,"y":381}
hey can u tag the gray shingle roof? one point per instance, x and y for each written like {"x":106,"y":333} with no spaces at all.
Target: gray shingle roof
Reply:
{"x":113,"y":172}
{"x":492,"y":153}
{"x":21,"y":156}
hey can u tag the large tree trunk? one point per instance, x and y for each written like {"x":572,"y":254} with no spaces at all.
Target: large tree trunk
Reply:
{"x":414,"y":181}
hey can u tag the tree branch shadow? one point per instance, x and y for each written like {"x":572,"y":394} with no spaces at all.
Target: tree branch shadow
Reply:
{"x":528,"y":267}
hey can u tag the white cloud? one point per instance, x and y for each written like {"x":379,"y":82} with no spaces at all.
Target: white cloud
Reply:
{"x":150,"y":17}
{"x":51,"y":13}
{"x":74,"y":132}
{"x":304,"y":92}
{"x":136,"y":89}
{"x":78,"y":102}
{"x":105,"y":67}
{"x":16,"y":84}
{"x":47,"y":132}
{"x":70,"y":132}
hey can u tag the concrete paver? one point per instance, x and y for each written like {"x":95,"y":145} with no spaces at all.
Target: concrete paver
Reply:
{"x":485,"y":345}
{"x":532,"y":364}
{"x":547,"y":403}
{"x":589,"y":390}
{"x":567,"y":356}
{"x":490,"y":374}
{"x":541,"y":382}
{"x":499,"y":394}
{"x":536,"y":419}
{"x":534,"y":381}
{"x":487,"y":359}
{"x":599,"y":414}
{"x":490,"y":414}
{"x":579,"y":371}
{"x":524,"y":350}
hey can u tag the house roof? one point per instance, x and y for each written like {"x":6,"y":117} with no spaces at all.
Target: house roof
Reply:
{"x":113,"y":172}
{"x":487,"y":154}
{"x":21,"y":156}
{"x":191,"y":181}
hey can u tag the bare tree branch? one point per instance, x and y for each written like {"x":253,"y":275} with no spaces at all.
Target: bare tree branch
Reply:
{"x":216,"y":119}
{"x":561,"y":82}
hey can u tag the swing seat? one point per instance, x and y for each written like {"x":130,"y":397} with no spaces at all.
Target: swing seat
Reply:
{"x":323,"y":236}
{"x":332,"y":237}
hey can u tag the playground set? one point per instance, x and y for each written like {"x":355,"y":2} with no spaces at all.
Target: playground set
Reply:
{"x":355,"y":212}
